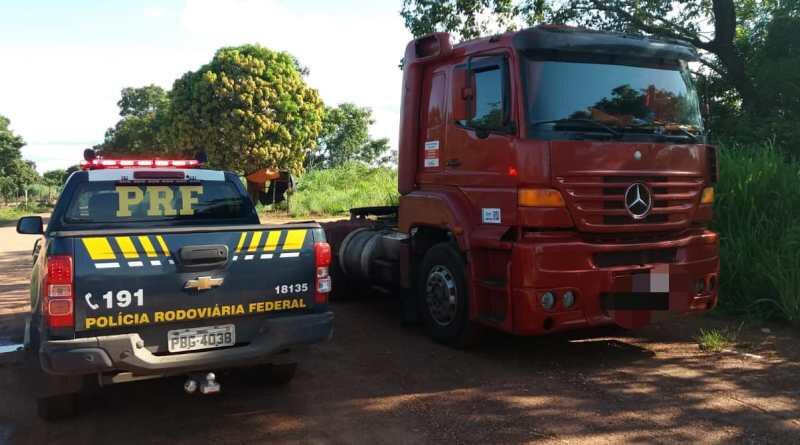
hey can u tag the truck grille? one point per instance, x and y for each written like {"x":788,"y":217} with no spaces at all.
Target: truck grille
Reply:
{"x":597,"y":203}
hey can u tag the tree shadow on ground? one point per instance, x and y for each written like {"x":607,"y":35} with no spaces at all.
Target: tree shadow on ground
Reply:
{"x":380,"y":382}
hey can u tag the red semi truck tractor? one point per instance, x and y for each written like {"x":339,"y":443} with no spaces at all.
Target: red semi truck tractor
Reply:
{"x":550,"y":179}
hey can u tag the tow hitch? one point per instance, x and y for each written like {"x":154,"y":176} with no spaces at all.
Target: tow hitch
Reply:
{"x":206,"y":383}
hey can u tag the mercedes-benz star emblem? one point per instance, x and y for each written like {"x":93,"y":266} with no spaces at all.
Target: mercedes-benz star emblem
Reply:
{"x":638,"y":201}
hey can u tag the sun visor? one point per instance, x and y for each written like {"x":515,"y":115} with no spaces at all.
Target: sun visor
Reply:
{"x":592,"y":42}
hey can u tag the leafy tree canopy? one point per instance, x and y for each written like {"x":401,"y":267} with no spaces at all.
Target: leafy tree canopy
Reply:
{"x":55,"y":178}
{"x":144,"y":101}
{"x":15,"y":173}
{"x":140,"y":132}
{"x":345,"y":137}
{"x":248,"y":108}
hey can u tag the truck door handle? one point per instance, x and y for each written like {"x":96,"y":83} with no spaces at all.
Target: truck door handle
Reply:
{"x":206,"y":257}
{"x":453,"y":162}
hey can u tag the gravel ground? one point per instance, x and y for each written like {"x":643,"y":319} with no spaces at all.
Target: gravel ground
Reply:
{"x":381,"y":382}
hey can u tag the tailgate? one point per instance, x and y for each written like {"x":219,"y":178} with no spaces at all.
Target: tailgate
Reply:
{"x":151,"y":283}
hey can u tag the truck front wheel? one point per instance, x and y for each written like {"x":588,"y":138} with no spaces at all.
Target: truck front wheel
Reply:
{"x":444,"y":297}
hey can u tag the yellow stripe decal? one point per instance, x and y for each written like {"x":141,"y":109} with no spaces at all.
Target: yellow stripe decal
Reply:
{"x":272,"y":240}
{"x":126,"y":247}
{"x":163,"y":245}
{"x":254,"y":241}
{"x":294,"y":239}
{"x":99,"y":249}
{"x":241,"y":242}
{"x":147,"y":246}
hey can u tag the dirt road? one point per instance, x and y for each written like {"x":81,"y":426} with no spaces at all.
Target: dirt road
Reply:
{"x":380,"y":382}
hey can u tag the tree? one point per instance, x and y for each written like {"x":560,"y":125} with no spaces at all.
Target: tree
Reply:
{"x":15,"y":173}
{"x":248,"y":108}
{"x":55,"y":178}
{"x":469,"y":19}
{"x":141,"y":131}
{"x":142,"y":102}
{"x":345,"y":137}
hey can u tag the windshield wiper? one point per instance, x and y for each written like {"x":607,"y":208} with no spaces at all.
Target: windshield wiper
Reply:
{"x":661,"y":131}
{"x":589,"y":122}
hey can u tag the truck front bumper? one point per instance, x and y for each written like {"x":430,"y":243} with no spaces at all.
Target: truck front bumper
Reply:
{"x":629,"y":284}
{"x":126,"y":352}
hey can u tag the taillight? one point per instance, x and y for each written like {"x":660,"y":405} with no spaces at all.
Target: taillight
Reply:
{"x":322,"y":259}
{"x":58,"y":297}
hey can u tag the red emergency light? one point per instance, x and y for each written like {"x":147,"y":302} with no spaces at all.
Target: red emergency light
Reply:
{"x":100,"y":163}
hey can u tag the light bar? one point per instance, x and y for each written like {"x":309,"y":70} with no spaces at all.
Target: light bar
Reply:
{"x":99,"y":163}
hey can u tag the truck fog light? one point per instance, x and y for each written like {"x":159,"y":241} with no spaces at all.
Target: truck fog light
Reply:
{"x":548,"y":300}
{"x":568,"y":299}
{"x":699,"y":286}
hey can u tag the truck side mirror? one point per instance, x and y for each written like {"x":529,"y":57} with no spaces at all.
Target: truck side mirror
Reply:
{"x":462,"y":94}
{"x":30,"y":225}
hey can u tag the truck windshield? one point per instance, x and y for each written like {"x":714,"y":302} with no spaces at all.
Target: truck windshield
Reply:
{"x":120,"y":203}
{"x":626,"y":98}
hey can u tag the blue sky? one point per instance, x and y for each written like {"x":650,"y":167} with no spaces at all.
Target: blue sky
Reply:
{"x":64,"y":63}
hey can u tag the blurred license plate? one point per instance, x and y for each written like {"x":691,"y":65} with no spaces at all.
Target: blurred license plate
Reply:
{"x":194,"y":339}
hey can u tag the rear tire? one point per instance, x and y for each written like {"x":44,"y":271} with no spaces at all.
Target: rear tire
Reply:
{"x":444,"y":297}
{"x":57,"y":407}
{"x":270,"y":375}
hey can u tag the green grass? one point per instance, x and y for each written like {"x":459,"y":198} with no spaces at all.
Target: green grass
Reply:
{"x":11,"y":214}
{"x":716,"y":340}
{"x":757,"y":213}
{"x":335,"y":191}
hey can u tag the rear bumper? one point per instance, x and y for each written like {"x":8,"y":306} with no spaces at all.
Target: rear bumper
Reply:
{"x":605,"y":277}
{"x":126,"y":353}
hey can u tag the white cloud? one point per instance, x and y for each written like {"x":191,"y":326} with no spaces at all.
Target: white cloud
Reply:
{"x":153,"y":11}
{"x":53,"y":156}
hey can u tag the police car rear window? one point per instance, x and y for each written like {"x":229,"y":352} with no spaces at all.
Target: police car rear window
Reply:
{"x":111,"y":201}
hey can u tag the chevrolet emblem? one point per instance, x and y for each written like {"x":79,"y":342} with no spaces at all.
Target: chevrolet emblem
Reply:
{"x":203,"y":283}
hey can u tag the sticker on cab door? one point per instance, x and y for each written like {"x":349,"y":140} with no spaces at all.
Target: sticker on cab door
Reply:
{"x":491,"y":216}
{"x":431,"y":154}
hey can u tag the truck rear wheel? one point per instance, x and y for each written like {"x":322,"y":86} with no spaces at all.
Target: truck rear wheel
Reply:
{"x":444,"y":297}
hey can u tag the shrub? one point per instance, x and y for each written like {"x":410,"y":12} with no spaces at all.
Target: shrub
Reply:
{"x":757,"y":213}
{"x":335,"y":191}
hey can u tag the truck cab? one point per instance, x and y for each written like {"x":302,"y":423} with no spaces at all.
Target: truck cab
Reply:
{"x":551,"y":179}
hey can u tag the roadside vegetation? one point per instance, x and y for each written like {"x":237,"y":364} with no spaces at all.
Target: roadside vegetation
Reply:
{"x":757,"y":212}
{"x":334,"y":191}
{"x":10,"y":214}
{"x":718,"y":340}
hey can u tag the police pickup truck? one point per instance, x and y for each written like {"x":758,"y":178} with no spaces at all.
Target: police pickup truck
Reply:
{"x":153,"y":268}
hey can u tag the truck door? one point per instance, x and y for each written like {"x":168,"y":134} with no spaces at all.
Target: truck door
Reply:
{"x":478,"y":158}
{"x":432,"y":134}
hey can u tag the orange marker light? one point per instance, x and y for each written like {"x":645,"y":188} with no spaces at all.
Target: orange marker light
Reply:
{"x":540,"y":198}
{"x":708,"y":196}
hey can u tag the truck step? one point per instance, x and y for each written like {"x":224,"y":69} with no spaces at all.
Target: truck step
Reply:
{"x":493,"y":283}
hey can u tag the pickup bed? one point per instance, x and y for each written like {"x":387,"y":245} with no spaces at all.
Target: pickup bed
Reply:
{"x":151,"y":272}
